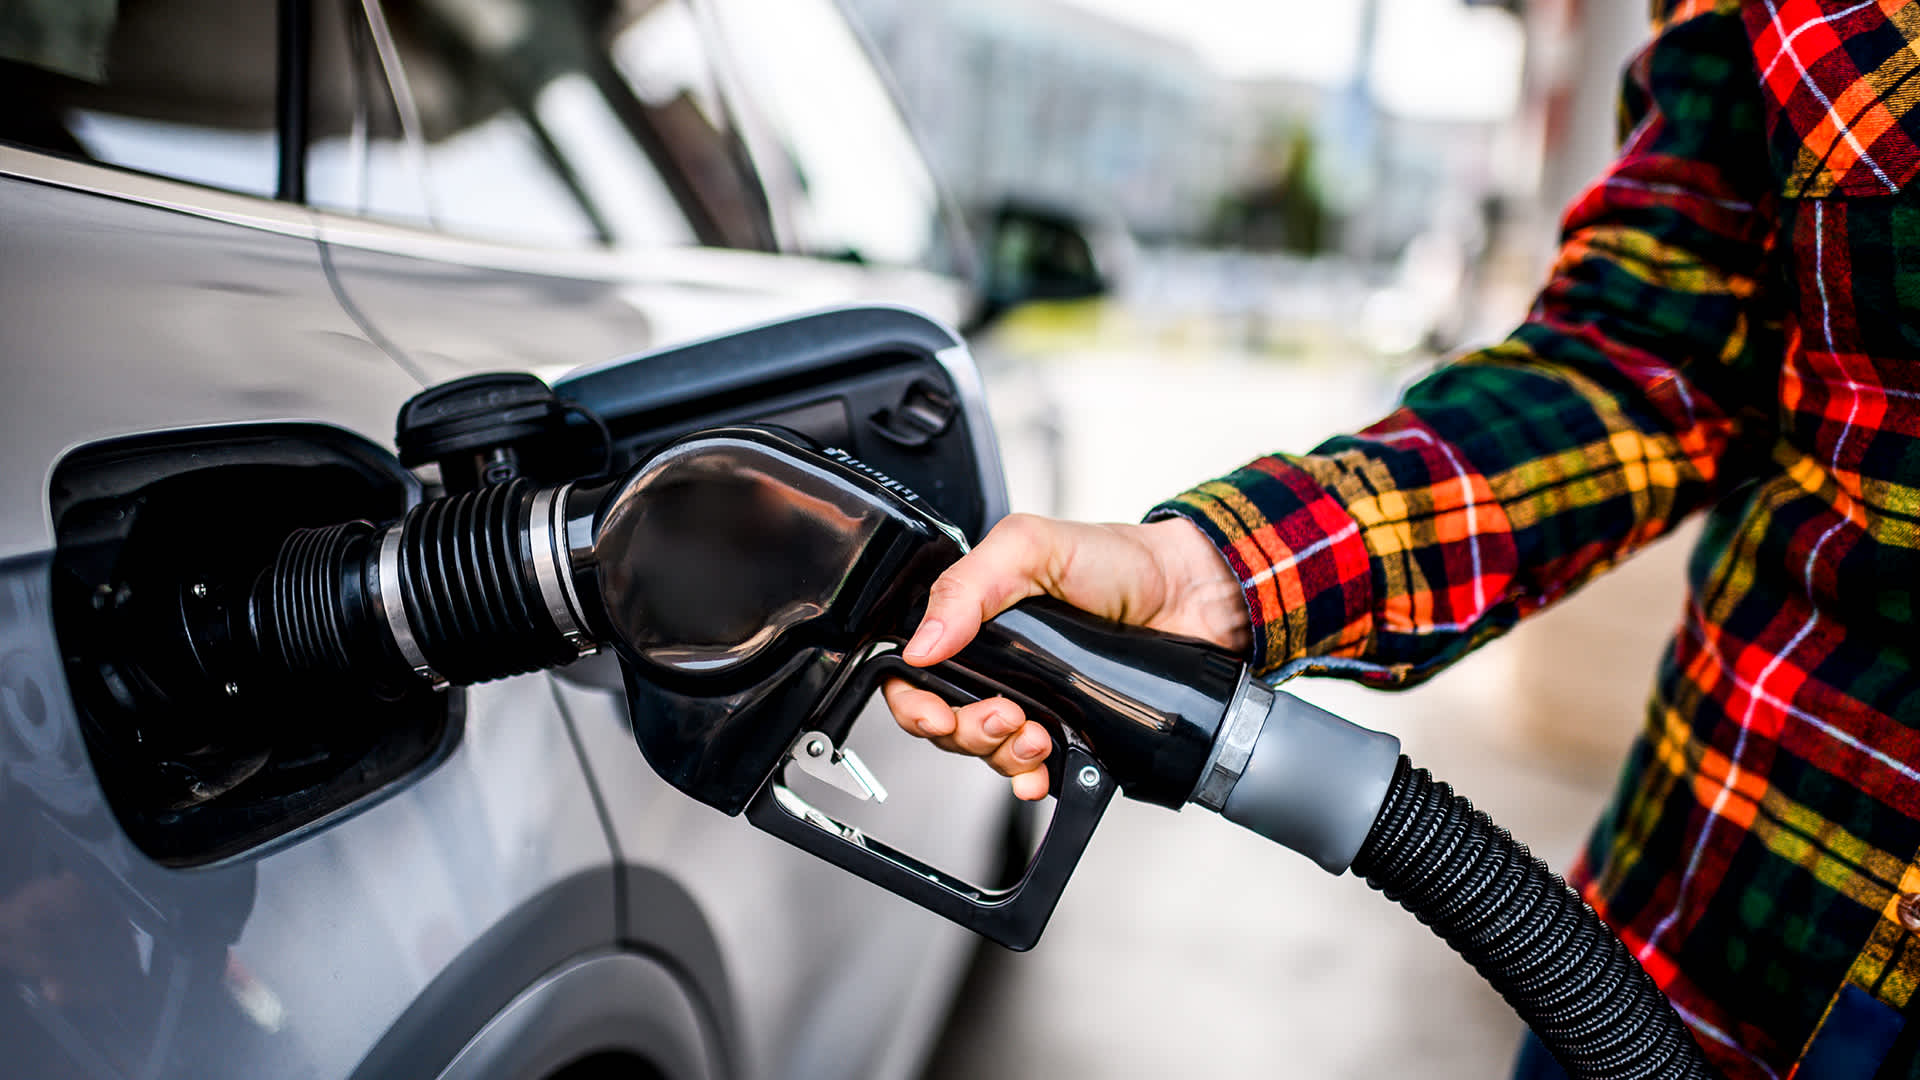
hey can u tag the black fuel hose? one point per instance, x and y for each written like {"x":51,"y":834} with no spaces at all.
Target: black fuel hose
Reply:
{"x":1526,"y":931}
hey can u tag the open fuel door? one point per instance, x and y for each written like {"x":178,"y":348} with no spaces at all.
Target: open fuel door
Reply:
{"x":889,"y":386}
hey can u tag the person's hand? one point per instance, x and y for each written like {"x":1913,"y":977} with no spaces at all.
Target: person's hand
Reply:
{"x":1165,"y":575}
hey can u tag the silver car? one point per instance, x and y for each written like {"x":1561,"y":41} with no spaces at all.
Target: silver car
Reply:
{"x":235,"y":237}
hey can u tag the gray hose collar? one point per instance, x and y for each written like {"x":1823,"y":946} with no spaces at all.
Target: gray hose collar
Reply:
{"x":1312,"y":782}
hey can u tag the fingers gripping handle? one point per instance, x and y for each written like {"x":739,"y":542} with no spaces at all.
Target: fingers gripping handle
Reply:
{"x":1013,"y":916}
{"x":959,"y":685}
{"x":1146,"y":704}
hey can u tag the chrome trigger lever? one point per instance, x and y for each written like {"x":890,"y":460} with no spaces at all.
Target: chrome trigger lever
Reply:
{"x":816,"y":755}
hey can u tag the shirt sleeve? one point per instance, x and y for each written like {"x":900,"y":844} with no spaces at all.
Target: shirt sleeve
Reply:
{"x":1514,"y":474}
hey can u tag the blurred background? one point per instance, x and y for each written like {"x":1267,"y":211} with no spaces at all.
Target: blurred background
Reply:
{"x":1199,"y":231}
{"x":1296,"y":208}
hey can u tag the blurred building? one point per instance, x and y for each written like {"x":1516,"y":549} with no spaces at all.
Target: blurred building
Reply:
{"x":1043,"y":101}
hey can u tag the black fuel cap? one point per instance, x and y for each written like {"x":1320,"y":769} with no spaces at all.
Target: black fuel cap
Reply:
{"x":476,"y":428}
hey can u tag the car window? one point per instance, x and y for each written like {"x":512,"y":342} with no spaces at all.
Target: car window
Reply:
{"x":534,"y":122}
{"x":180,"y":88}
{"x":857,"y":185}
{"x":444,"y":129}
{"x":662,"y":59}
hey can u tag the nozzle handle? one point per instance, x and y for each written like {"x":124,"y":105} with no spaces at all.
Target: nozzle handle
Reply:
{"x":1146,"y":704}
{"x":1013,"y":916}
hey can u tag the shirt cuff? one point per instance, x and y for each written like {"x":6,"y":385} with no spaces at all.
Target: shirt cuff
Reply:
{"x":1300,"y":557}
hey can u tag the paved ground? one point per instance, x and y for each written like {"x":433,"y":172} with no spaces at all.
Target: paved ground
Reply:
{"x":1186,"y":947}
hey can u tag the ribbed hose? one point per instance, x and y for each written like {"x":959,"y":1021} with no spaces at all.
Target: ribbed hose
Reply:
{"x":466,"y":575}
{"x":1526,"y":931}
{"x":305,"y":623}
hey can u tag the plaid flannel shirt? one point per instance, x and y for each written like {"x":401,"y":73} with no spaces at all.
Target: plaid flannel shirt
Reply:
{"x":1733,"y":324}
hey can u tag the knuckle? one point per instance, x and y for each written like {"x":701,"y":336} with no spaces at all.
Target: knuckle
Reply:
{"x":1020,"y":536}
{"x":1005,"y":763}
{"x":974,"y":740}
{"x":1022,"y":525}
{"x":947,"y":589}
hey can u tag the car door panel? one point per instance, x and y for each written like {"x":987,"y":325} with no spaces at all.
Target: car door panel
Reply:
{"x":293,"y":964}
{"x":503,"y":833}
{"x":826,"y":971}
{"x":142,"y":306}
{"x":449,"y":306}
{"x":445,"y":314}
{"x":585,"y":1004}
{"x":123,"y":317}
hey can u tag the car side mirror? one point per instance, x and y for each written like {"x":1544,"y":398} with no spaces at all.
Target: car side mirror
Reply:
{"x":1036,"y":253}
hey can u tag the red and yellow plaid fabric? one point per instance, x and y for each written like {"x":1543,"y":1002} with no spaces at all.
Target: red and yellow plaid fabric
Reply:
{"x":1733,"y":326}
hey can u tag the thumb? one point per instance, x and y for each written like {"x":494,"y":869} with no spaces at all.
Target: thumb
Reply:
{"x":1005,"y":569}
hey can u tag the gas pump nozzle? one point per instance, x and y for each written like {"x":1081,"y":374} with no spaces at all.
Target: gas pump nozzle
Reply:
{"x":758,"y":588}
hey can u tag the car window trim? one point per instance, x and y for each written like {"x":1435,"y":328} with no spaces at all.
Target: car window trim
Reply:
{"x":339,"y":228}
{"x":147,"y":189}
{"x":692,"y":266}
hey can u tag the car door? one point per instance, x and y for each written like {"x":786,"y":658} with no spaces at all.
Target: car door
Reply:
{"x":262,"y":897}
{"x":824,"y":975}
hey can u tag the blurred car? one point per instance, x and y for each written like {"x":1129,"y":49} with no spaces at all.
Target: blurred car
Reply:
{"x":238,"y":236}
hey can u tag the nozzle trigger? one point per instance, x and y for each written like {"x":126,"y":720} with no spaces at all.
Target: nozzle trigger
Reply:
{"x":816,"y":755}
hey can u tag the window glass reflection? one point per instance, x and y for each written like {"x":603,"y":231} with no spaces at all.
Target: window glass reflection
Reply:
{"x":178,"y":88}
{"x":616,"y":174}
{"x":515,"y":121}
{"x":661,"y":56}
{"x":468,"y":157}
{"x":858,"y":187}
{"x":357,"y":159}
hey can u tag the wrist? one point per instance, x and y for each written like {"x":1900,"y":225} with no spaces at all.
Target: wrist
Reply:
{"x":1201,"y":590}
